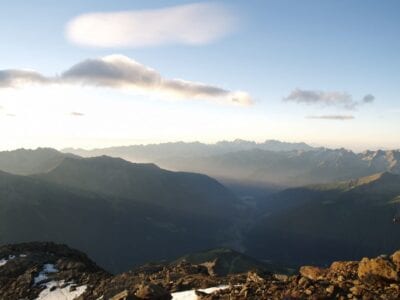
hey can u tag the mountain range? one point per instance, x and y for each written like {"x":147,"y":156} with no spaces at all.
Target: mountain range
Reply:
{"x":270,"y":165}
{"x":326,"y":205}
{"x":156,"y":152}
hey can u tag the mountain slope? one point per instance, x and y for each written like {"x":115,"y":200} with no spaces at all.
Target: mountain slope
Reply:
{"x":317,"y":224}
{"x":27,"y":162}
{"x":145,"y":183}
{"x":152,"y":222}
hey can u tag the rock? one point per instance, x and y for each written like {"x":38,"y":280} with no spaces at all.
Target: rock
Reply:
{"x":396,"y":260}
{"x":313,"y":273}
{"x":281,"y":277}
{"x":254,"y":277}
{"x":377,"y":267}
{"x":244,"y":290}
{"x":204,"y":296}
{"x":355,"y":290}
{"x":348,"y":268}
{"x":330,"y":289}
{"x":370,"y":279}
{"x":124,"y":295}
{"x":152,"y":292}
{"x":308,"y":292}
{"x":303,"y":281}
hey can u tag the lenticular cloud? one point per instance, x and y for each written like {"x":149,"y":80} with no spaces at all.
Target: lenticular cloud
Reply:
{"x":191,"y":24}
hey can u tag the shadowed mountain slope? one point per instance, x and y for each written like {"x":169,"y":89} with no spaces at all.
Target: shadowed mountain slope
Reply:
{"x":121,"y":214}
{"x":145,"y":183}
{"x":322,"y":223}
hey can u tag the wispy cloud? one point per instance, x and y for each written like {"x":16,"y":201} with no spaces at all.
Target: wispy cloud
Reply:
{"x":14,"y":77}
{"x":192,"y":24}
{"x":368,"y":98}
{"x":77,"y":114}
{"x":324,"y":98}
{"x":332,"y":117}
{"x":121,"y":72}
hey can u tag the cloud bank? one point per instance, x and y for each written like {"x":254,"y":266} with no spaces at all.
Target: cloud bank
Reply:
{"x":121,"y":72}
{"x":332,"y":117}
{"x":191,"y":24}
{"x":332,"y":98}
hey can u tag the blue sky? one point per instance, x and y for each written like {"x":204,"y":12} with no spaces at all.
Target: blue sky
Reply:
{"x":274,"y":47}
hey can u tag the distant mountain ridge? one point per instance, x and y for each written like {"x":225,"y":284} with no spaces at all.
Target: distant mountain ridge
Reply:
{"x":157,"y":152}
{"x":291,"y":168}
{"x":268,"y":163}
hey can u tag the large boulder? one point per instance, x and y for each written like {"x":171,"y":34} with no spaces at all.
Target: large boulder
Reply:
{"x":313,"y":273}
{"x":348,"y":269}
{"x":379,"y":267}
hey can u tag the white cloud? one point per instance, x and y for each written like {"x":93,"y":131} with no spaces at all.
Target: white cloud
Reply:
{"x":192,"y":24}
{"x":330,"y":98}
{"x":121,"y":72}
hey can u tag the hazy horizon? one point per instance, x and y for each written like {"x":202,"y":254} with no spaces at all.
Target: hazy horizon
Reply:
{"x":144,"y":143}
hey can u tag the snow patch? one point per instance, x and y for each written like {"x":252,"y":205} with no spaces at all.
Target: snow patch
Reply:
{"x":58,"y":290}
{"x":191,"y":295}
{"x":42,"y":276}
{"x":3,"y":261}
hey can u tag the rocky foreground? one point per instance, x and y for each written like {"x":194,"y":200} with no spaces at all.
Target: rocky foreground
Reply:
{"x":47,"y":271}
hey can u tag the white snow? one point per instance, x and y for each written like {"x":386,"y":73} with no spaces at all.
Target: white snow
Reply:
{"x":47,"y":269}
{"x":3,"y":261}
{"x":57,"y":290}
{"x":191,"y":295}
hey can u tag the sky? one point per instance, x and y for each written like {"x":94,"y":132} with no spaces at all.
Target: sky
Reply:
{"x":101,"y":73}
